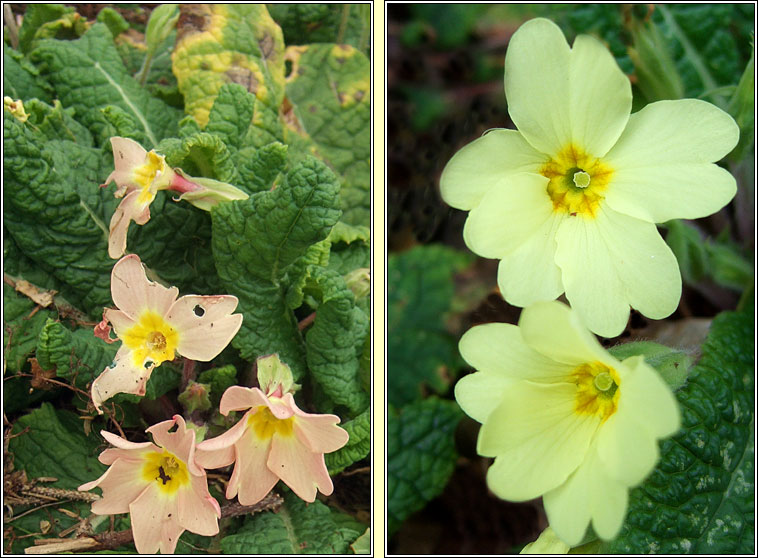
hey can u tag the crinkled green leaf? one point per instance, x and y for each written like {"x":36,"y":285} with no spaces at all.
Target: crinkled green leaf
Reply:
{"x":297,"y":528}
{"x":231,"y":115}
{"x":421,"y":455}
{"x":123,"y":124}
{"x":88,"y":74}
{"x":20,"y":328}
{"x":329,"y":88}
{"x":260,"y":168}
{"x":56,"y":213}
{"x":201,"y":155}
{"x":231,"y":43}
{"x":358,"y":445}
{"x":350,"y":248}
{"x":55,"y":446}
{"x":21,"y":80}
{"x":335,"y":341}
{"x":323,"y":23}
{"x":256,"y":241}
{"x":419,"y":294}
{"x":78,"y":356}
{"x":362,"y":544}
{"x":56,"y":123}
{"x":113,"y":20}
{"x":47,"y":21}
{"x":699,"y":498}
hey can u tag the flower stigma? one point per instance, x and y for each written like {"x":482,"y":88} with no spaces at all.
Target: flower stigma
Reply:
{"x":165,"y":469}
{"x":597,"y":390}
{"x":577,"y":181}
{"x":265,"y":424}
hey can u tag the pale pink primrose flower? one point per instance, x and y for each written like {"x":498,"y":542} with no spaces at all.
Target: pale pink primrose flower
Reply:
{"x":154,"y":325}
{"x":273,"y":440}
{"x":139,"y":174}
{"x":160,"y":485}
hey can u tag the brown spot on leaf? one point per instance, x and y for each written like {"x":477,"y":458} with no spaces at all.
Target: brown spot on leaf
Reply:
{"x":40,"y":377}
{"x":266,"y":45}
{"x":243,"y":77}
{"x":358,"y":95}
{"x":193,"y":18}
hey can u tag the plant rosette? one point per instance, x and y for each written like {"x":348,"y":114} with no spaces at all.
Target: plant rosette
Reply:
{"x":563,"y":419}
{"x":569,"y":201}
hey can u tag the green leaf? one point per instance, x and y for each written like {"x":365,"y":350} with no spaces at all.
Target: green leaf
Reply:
{"x":671,"y":364}
{"x":237,"y":43}
{"x":256,"y":241}
{"x":297,"y":528}
{"x":49,"y":20}
{"x":362,"y":544}
{"x":699,"y":498}
{"x":689,"y":249}
{"x":20,"y":328}
{"x":56,"y":213}
{"x":88,"y":74}
{"x":329,"y":88}
{"x":421,"y":455}
{"x":113,"y":20}
{"x":123,"y":124}
{"x":323,"y":23}
{"x":21,"y":80}
{"x":57,"y":123}
{"x":358,"y":445}
{"x":260,"y":168}
{"x":231,"y":115}
{"x":78,"y":356}
{"x":741,"y":107}
{"x":335,"y":342}
{"x":420,"y":290}
{"x":55,"y":446}
{"x":162,"y":21}
{"x":201,"y":155}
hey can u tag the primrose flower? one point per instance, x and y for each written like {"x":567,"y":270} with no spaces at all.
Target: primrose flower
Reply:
{"x":153,"y":325}
{"x":563,"y":419}
{"x":273,"y":440}
{"x":139,"y":174}
{"x":159,"y":484}
{"x":569,"y":201}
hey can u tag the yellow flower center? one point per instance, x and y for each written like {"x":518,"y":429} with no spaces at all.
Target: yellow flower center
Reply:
{"x":577,"y":181}
{"x":150,"y":172}
{"x":265,"y":424}
{"x":167,"y":470}
{"x":597,"y":390}
{"x":151,"y":339}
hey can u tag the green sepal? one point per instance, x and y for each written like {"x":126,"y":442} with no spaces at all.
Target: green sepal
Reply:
{"x":673,"y":365}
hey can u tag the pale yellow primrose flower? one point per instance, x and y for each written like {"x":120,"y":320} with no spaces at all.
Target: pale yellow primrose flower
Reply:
{"x":273,"y":440}
{"x":159,"y":484}
{"x":569,"y":201}
{"x":154,"y":325}
{"x":563,"y":419}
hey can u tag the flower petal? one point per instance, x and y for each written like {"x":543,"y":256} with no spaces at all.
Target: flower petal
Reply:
{"x":627,"y":257}
{"x":627,"y":450}
{"x":480,"y":393}
{"x":121,"y":484}
{"x":662,"y":162}
{"x":121,"y":377}
{"x":500,"y":349}
{"x":127,"y":154}
{"x":649,"y":398}
{"x":205,"y":324}
{"x":218,"y":452}
{"x":568,"y":507}
{"x":609,"y":503}
{"x":529,"y":273}
{"x":538,"y":106}
{"x":508,"y":215}
{"x":238,"y":398}
{"x":130,"y":209}
{"x":319,"y":433}
{"x":155,"y":523}
{"x":251,"y":478}
{"x":537,"y":439}
{"x":555,"y":331}
{"x":120,"y":321}
{"x":299,"y":468}
{"x":483,"y":164}
{"x":600,"y":96}
{"x":132,"y":292}
{"x":198,"y":511}
{"x":593,"y":286}
{"x":180,"y":442}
